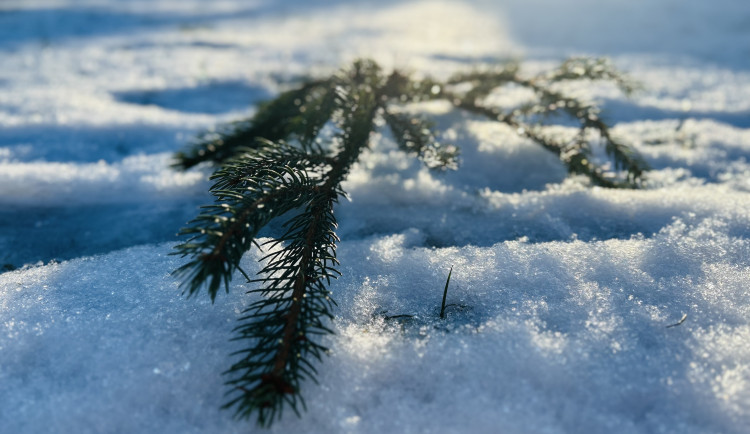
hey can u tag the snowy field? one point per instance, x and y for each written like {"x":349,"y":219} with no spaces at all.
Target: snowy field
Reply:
{"x":563,"y":292}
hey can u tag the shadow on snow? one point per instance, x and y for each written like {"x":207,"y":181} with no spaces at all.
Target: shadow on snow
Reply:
{"x":211,"y":98}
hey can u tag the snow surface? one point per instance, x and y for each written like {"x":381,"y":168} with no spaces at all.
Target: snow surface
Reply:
{"x":561,"y":293}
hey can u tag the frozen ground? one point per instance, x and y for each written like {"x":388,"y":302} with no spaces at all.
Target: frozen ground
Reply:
{"x":563,"y":292}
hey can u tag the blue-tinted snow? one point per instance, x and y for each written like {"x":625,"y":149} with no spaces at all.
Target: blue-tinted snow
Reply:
{"x":561,"y":294}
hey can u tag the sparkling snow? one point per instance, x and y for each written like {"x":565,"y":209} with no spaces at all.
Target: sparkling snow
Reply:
{"x":573,"y":309}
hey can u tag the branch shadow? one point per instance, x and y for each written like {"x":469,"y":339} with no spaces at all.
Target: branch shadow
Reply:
{"x":620,"y":111}
{"x":63,"y":143}
{"x":216,"y":97}
{"x":53,"y":24}
{"x":32,"y":233}
{"x":19,"y":26}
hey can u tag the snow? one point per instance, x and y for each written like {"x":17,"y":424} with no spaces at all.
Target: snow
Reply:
{"x":562,"y":294}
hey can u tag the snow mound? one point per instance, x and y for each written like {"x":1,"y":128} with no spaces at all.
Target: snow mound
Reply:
{"x":558,"y":336}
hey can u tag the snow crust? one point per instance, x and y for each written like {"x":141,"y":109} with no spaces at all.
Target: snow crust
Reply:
{"x":573,"y":309}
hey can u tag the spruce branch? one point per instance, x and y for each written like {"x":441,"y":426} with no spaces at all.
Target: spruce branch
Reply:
{"x":297,"y":112}
{"x":280,"y":164}
{"x":295,"y":294}
{"x":279,"y":327}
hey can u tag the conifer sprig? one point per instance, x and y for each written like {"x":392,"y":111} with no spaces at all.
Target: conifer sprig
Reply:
{"x":279,"y":164}
{"x":280,"y":328}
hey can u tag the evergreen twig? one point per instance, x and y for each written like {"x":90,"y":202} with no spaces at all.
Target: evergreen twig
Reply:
{"x":279,"y":165}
